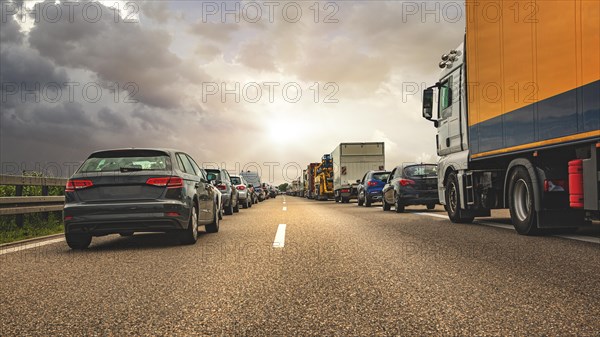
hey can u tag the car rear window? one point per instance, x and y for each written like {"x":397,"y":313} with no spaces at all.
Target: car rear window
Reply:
{"x":419,"y":171}
{"x":383,"y":176}
{"x":252,"y":178}
{"x":236,"y":180}
{"x":127,"y":161}
{"x":213,"y":175}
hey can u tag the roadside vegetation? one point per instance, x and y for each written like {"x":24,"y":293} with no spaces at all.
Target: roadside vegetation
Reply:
{"x":35,"y":224}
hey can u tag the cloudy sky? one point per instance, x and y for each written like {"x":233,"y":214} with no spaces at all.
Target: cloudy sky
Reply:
{"x":240,"y":84}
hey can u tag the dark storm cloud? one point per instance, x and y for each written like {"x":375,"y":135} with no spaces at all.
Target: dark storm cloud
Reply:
{"x":22,"y":69}
{"x":112,"y":119}
{"x":118,"y":51}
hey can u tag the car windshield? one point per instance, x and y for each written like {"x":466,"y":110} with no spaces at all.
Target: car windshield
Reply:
{"x":419,"y":171}
{"x":236,"y":180}
{"x":127,"y":161}
{"x":383,"y":176}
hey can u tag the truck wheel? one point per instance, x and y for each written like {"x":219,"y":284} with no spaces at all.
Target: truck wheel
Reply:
{"x":78,"y":241}
{"x":453,"y":201}
{"x":189,"y":236}
{"x":386,"y":206}
{"x":214,"y":226}
{"x":521,"y":202}
{"x":399,"y":205}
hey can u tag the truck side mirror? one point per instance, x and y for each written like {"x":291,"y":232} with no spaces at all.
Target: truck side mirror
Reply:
{"x":428,"y":103}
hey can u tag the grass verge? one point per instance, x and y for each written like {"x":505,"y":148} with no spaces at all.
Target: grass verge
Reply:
{"x":34,"y":226}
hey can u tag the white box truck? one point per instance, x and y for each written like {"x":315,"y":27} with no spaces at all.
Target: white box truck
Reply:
{"x":350,"y":163}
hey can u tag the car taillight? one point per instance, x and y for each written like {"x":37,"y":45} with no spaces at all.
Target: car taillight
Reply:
{"x":168,"y":182}
{"x":77,"y":184}
{"x":405,"y":182}
{"x":372,"y":183}
{"x":241,"y":187}
{"x":222,"y":187}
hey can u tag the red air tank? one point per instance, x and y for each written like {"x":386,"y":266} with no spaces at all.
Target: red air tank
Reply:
{"x":576,"y":183}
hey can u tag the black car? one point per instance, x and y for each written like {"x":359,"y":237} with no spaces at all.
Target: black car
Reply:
{"x":222,"y":180}
{"x":414,"y":184}
{"x":370,"y":187}
{"x":138,"y":190}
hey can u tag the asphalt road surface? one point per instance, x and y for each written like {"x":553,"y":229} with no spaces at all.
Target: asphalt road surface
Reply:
{"x":333,"y":269}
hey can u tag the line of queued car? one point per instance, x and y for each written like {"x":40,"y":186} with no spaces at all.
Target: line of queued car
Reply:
{"x":405,"y":185}
{"x":125,"y":191}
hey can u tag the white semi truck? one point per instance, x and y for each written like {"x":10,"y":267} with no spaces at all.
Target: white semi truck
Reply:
{"x":518,"y":115}
{"x":350,"y":163}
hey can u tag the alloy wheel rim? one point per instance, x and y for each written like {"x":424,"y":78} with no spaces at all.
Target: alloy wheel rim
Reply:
{"x":452,"y":198}
{"x":522,"y":200}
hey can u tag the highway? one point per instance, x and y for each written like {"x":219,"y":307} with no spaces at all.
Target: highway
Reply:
{"x":292,"y":266}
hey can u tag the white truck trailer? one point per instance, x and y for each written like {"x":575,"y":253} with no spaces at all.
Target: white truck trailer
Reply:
{"x":350,"y":163}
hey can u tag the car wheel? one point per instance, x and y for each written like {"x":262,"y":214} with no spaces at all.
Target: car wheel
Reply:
{"x":189,"y":236}
{"x":452,"y":201}
{"x":360,"y":201}
{"x":521,"y":203}
{"x":213,"y":227}
{"x":399,"y":205}
{"x":431,"y":206}
{"x":367,"y":201}
{"x":386,"y":206}
{"x":236,"y":209}
{"x":229,"y":208}
{"x":78,"y":241}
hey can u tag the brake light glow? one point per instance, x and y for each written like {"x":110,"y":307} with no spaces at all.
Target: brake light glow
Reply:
{"x":77,"y":184}
{"x":168,"y":182}
{"x":345,"y":191}
{"x":173,"y":214}
{"x":222,"y":187}
{"x":406,"y":182}
{"x":372,"y":183}
{"x":241,"y":187}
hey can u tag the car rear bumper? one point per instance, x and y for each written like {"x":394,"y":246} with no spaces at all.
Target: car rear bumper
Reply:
{"x":100,"y":219}
{"x":375,"y":196}
{"x":422,"y":198}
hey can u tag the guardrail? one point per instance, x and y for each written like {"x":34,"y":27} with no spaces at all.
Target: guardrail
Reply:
{"x":19,"y":204}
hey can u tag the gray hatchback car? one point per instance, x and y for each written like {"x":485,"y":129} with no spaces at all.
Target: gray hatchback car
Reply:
{"x":138,"y":190}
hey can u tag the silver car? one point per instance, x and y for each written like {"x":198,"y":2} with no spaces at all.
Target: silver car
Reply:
{"x":241,"y":185}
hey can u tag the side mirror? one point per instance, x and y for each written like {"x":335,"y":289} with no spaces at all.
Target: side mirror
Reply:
{"x":358,"y":181}
{"x":428,"y":103}
{"x":250,"y":185}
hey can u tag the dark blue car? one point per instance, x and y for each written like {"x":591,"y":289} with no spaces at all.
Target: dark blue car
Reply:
{"x":369,"y":188}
